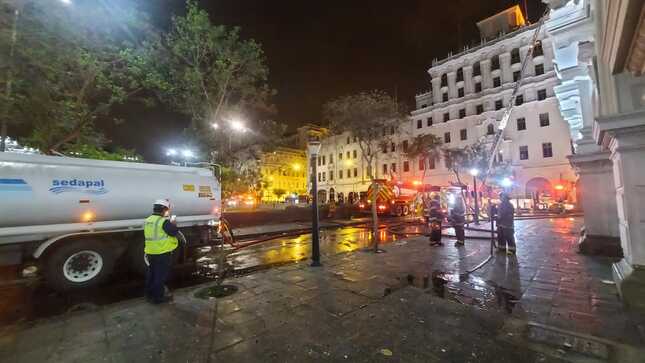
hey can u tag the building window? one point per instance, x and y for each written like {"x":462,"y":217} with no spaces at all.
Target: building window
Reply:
{"x":419,"y":124}
{"x":463,"y":134}
{"x":490,"y":129}
{"x":331,"y":175}
{"x":422,"y":164}
{"x":478,"y":87}
{"x":462,"y":113}
{"x":538,"y":51}
{"x":524,"y":152}
{"x":354,"y":154}
{"x":319,"y":177}
{"x":516,"y":76}
{"x":544,"y":119}
{"x":547,"y":150}
{"x":340,"y":156}
{"x":391,"y":130}
{"x":349,"y":173}
{"x":405,"y":146}
{"x":324,"y":159}
{"x":331,"y":158}
{"x":500,"y":157}
{"x":393,"y":167}
{"x":494,"y":63}
{"x":480,"y":109}
{"x":355,"y":173}
{"x":348,"y":154}
{"x":319,"y":161}
{"x":384,"y":148}
{"x":460,"y":92}
{"x":497,"y":82}
{"x":446,"y":117}
{"x":444,"y":80}
{"x":340,"y":174}
{"x":521,"y":124}
{"x":446,"y":137}
{"x":539,"y":69}
{"x":460,"y":75}
{"x":445,"y":97}
{"x":393,"y":147}
{"x":429,"y":121}
{"x":519,"y":99}
{"x":406,"y":166}
{"x":384,"y":169}
{"x":347,"y":140}
{"x":541,"y":94}
{"x":498,"y":105}
{"x":355,"y":139}
{"x":431,"y":164}
{"x":477,"y":69}
{"x":515,"y":56}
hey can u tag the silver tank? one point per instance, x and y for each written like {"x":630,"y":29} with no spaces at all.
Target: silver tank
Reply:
{"x":37,"y":190}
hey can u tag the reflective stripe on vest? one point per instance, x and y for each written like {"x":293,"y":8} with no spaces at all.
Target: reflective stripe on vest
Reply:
{"x":157,"y":240}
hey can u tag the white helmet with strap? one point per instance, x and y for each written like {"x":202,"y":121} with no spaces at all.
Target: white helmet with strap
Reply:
{"x":163,"y":203}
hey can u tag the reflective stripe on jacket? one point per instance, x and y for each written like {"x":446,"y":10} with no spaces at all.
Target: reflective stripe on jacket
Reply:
{"x":157,"y":240}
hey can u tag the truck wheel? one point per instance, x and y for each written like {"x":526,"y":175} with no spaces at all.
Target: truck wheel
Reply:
{"x":78,"y":264}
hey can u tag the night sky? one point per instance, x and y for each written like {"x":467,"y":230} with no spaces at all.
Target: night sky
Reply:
{"x":319,"y":50}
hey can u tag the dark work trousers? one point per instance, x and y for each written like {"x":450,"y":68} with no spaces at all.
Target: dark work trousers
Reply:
{"x":156,"y":276}
{"x":435,"y":230}
{"x":507,"y":239}
{"x":459,"y":232}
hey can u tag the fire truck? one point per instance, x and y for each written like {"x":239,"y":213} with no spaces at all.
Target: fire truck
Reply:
{"x":394,"y":198}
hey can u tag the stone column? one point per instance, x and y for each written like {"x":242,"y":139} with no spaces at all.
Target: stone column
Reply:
{"x":452,"y":87}
{"x":468,"y":80}
{"x":436,"y":90}
{"x":505,"y":65}
{"x":627,"y":147}
{"x":487,"y":79}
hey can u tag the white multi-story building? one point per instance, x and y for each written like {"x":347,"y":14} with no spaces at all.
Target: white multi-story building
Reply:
{"x":465,"y":104}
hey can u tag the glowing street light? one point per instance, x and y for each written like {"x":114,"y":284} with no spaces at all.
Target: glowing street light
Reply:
{"x":171,"y":152}
{"x":237,"y":125}
{"x":215,"y":125}
{"x":506,"y":182}
{"x":296,"y":166}
{"x":474,"y":171}
{"x":187,"y":154}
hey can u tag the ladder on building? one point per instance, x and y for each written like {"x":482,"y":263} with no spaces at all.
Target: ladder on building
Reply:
{"x":511,"y":103}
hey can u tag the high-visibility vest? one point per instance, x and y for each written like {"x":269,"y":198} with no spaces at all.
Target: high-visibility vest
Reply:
{"x":157,"y":240}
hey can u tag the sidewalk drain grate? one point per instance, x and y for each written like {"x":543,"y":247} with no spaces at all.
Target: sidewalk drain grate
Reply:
{"x":217,"y":291}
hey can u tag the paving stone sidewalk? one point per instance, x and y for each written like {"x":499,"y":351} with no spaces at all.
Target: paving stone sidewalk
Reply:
{"x":549,"y":304}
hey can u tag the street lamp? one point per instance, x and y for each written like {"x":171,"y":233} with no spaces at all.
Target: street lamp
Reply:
{"x":215,"y":125}
{"x":314,"y":149}
{"x":507,"y":182}
{"x":171,"y":152}
{"x":187,"y":154}
{"x":474,"y":172}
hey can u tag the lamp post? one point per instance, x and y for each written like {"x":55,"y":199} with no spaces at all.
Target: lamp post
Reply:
{"x":474,"y":172}
{"x":314,"y":149}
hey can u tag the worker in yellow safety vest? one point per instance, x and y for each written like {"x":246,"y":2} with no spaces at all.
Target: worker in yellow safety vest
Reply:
{"x":160,"y":232}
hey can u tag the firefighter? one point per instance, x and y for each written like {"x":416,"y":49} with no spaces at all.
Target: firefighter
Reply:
{"x":457,"y":218}
{"x":505,"y":222}
{"x":436,"y":216}
{"x":161,"y":240}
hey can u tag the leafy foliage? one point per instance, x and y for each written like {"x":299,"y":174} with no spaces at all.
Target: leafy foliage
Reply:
{"x":372,"y":117}
{"x":93,"y":152}
{"x":474,"y":156}
{"x":426,"y":147}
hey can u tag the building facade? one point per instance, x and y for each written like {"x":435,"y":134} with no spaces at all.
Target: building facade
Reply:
{"x":465,"y":104}
{"x":600,"y":52}
{"x":284,"y":171}
{"x":467,"y":100}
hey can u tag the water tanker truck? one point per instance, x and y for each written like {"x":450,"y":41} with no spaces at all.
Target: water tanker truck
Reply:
{"x":77,"y":219}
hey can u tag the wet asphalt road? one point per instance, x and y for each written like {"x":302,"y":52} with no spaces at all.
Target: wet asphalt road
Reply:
{"x":29,"y":299}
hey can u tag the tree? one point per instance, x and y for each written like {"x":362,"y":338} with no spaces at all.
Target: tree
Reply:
{"x":67,"y":69}
{"x":372,"y":118}
{"x":279,"y":192}
{"x":426,"y":147}
{"x":207,"y":72}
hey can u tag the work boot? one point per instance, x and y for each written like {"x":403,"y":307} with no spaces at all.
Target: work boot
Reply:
{"x":510,"y":251}
{"x":459,"y":243}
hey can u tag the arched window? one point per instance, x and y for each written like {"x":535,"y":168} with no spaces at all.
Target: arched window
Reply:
{"x":490,"y":129}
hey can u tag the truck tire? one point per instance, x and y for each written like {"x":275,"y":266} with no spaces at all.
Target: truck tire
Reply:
{"x":78,"y":264}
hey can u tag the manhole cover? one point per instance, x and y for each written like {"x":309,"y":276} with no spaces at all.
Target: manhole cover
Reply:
{"x":216,"y":291}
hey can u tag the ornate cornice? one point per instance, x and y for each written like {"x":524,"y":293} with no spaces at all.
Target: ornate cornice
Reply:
{"x":636,"y":57}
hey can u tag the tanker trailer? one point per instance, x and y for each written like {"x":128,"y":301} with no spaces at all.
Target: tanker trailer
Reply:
{"x":75,"y":218}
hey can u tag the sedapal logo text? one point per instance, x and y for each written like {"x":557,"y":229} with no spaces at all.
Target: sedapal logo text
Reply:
{"x":78,"y":186}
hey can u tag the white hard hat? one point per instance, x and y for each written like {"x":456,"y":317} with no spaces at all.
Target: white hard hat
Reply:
{"x":163,"y":202}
